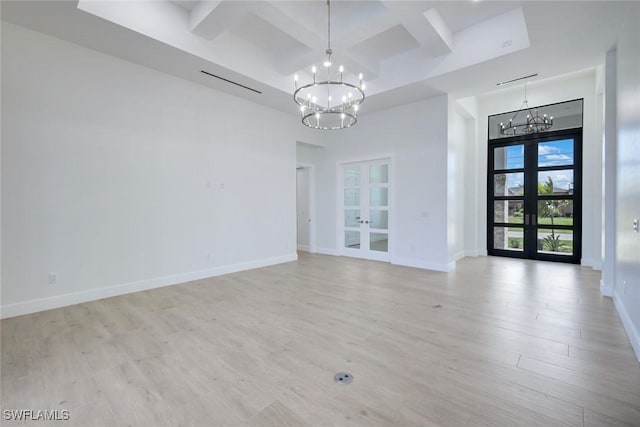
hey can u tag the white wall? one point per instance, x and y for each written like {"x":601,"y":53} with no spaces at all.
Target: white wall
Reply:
{"x":308,"y":153}
{"x":457,"y":158}
{"x":117,"y":177}
{"x":609,"y":157}
{"x":415,"y":137}
{"x":627,"y":270}
{"x":579,"y":85}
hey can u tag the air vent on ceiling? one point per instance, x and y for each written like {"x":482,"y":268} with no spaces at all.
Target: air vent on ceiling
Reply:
{"x":230,"y":81}
{"x":515,"y":80}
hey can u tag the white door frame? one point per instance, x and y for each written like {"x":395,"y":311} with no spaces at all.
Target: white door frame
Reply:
{"x":340,"y":248}
{"x":312,"y":204}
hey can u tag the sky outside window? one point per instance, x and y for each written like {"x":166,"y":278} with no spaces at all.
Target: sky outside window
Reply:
{"x":554,"y":153}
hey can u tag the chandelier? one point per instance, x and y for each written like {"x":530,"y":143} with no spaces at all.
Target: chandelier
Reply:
{"x":534,"y":123}
{"x":332,"y":103}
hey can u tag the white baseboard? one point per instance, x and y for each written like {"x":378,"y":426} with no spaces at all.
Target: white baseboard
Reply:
{"x":458,"y":256}
{"x":629,"y":327}
{"x":41,"y":304}
{"x":606,"y":289}
{"x":417,"y":263}
{"x":304,"y":248}
{"x":596,"y":265}
{"x":327,"y":251}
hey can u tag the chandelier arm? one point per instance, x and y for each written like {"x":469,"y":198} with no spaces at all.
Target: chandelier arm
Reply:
{"x":356,"y":101}
{"x":307,"y":120}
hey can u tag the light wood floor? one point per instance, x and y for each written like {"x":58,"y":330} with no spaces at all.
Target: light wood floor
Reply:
{"x":514,"y":343}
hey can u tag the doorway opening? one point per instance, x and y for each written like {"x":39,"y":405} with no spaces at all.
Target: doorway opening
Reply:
{"x":305,"y":208}
{"x":534,"y":194}
{"x":364,"y":214}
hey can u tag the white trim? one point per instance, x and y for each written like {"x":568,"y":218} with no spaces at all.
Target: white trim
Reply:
{"x":459,"y":255}
{"x":472,"y":253}
{"x":311,"y":144}
{"x":596,"y":265}
{"x":304,"y":248}
{"x":425,"y":265}
{"x":606,"y":289}
{"x":586,"y":262}
{"x":48,"y":303}
{"x":312,"y":204}
{"x":327,"y":251}
{"x":632,"y":332}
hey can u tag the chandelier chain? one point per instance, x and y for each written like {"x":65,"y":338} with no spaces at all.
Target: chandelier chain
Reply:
{"x":329,"y":24}
{"x":534,"y":123}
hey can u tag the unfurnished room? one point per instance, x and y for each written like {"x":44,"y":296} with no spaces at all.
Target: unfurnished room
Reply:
{"x":320,"y":213}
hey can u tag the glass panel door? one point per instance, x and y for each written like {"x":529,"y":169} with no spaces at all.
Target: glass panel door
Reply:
{"x":534,"y":197}
{"x":378,"y":199}
{"x":508,"y":191}
{"x":365,"y":210}
{"x":554,"y":217}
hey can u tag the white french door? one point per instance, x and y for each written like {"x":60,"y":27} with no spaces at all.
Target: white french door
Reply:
{"x":364,"y":211}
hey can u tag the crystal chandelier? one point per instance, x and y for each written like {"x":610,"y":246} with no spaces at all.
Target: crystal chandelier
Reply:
{"x":534,"y":123}
{"x":332,"y":103}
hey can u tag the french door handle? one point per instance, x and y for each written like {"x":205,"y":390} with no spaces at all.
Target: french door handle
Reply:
{"x":526,"y":219}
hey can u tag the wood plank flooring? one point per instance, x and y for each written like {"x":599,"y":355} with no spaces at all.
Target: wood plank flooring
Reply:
{"x":498,"y":342}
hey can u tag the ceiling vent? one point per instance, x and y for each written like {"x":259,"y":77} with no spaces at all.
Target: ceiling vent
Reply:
{"x":230,"y":81}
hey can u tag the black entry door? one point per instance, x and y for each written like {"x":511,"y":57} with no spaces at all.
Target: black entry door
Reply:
{"x":534,"y":197}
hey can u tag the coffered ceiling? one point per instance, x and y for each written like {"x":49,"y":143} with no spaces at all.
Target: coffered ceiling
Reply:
{"x":407,"y":50}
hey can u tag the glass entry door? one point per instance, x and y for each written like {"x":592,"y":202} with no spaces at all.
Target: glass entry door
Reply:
{"x":534,"y":197}
{"x":364,"y":218}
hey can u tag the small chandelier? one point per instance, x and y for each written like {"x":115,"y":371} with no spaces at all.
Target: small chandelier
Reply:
{"x":332,"y":103}
{"x":534,"y":123}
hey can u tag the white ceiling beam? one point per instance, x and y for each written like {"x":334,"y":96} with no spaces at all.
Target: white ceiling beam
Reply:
{"x":429,"y":31}
{"x":356,"y":64}
{"x":278,"y":14}
{"x":200,"y":12}
{"x":209,"y":18}
{"x":441,"y":29}
{"x":288,"y":63}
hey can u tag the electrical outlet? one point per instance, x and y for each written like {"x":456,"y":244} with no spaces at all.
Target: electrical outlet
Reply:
{"x":636,"y":225}
{"x":53,"y":278}
{"x":624,"y":287}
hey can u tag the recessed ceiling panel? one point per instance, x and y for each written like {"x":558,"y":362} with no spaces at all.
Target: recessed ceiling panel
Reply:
{"x":459,"y":15}
{"x":347,"y":15}
{"x":261,"y":33}
{"x":185,"y":4}
{"x":396,"y":40}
